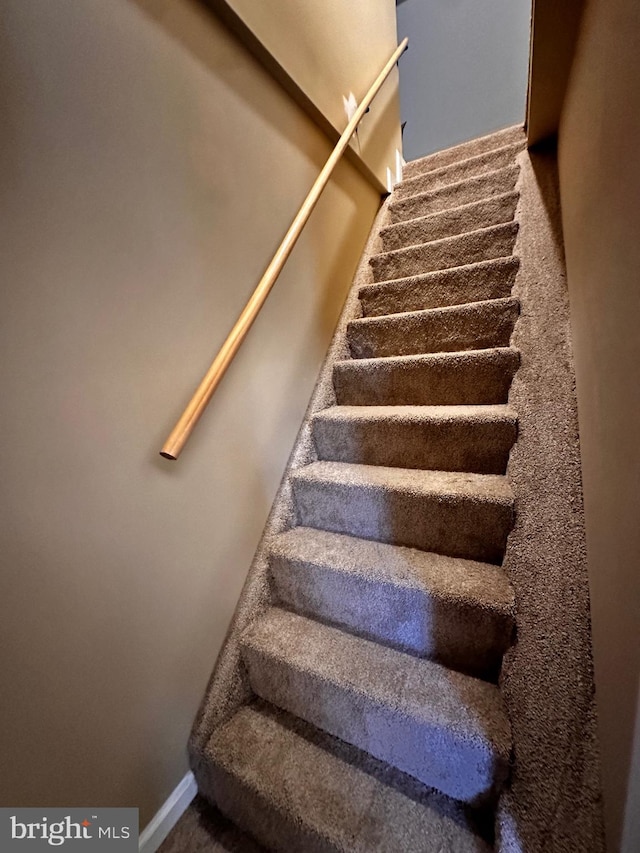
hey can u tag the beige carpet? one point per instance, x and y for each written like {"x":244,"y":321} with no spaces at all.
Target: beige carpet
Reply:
{"x":409,"y":667}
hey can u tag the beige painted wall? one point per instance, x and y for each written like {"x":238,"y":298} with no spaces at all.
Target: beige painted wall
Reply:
{"x":149,"y":169}
{"x":600,"y":187}
{"x":331,"y":48}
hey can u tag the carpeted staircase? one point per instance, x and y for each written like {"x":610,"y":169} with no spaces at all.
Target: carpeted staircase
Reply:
{"x":357,"y":703}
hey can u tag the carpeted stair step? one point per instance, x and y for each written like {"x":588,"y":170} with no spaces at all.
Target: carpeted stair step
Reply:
{"x":461,"y":170}
{"x":492,"y":279}
{"x":465,"y":150}
{"x":448,"y":223}
{"x":464,"y":192}
{"x":476,"y":439}
{"x":452,"y":513}
{"x":474,"y":325}
{"x":473,"y":377}
{"x":297,"y":789}
{"x":448,"y":730}
{"x":497,"y":241}
{"x":457,"y":612}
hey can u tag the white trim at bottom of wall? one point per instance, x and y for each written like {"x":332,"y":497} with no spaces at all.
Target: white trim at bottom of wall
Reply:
{"x":168,"y":815}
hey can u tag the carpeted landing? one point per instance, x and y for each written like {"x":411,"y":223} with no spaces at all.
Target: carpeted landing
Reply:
{"x":360,"y":702}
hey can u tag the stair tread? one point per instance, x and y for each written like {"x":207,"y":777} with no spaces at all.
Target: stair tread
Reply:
{"x":484,"y":584}
{"x":441,"y":414}
{"x":488,"y":305}
{"x":469,"y":708}
{"x":490,"y":177}
{"x":455,"y":240}
{"x":496,"y":209}
{"x":455,"y":513}
{"x":424,"y":358}
{"x":326,"y":800}
{"x":480,"y":157}
{"x":492,"y":277}
{"x":468,"y":326}
{"x":464,"y":150}
{"x":447,"y":485}
{"x":409,"y":280}
{"x":476,"y":439}
{"x":467,"y":166}
{"x":461,"y":377}
{"x":442,"y":214}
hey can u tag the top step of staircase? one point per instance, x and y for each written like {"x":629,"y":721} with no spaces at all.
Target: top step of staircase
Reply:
{"x":464,"y":151}
{"x":433,"y":179}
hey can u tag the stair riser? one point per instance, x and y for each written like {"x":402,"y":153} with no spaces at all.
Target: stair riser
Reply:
{"x":470,"y":639}
{"x":457,"y":527}
{"x":425,"y":204}
{"x":464,"y":249}
{"x":446,"y":382}
{"x":435,"y":756}
{"x":464,"y":151}
{"x":477,"y":447}
{"x":469,"y":328}
{"x":455,"y":172}
{"x":488,"y":280}
{"x":482,"y":214}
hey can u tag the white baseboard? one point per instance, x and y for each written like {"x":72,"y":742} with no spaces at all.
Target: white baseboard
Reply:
{"x":167,"y":815}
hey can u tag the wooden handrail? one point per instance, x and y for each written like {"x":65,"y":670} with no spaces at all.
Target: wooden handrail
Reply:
{"x":198,"y":403}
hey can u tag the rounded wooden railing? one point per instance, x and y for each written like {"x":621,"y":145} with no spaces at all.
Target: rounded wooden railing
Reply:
{"x":198,"y":403}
